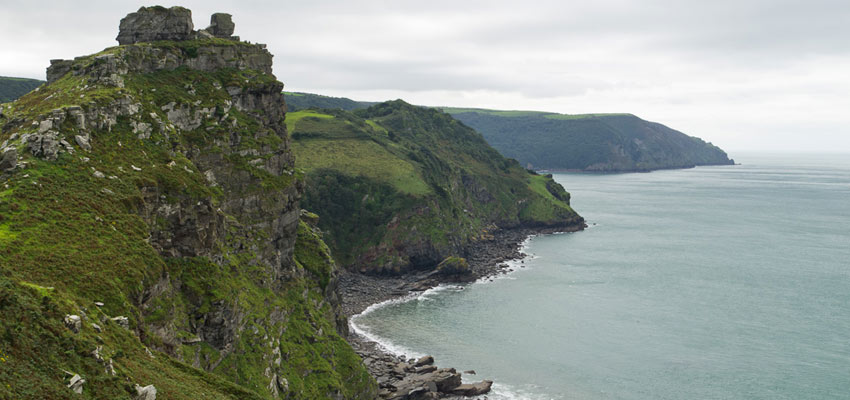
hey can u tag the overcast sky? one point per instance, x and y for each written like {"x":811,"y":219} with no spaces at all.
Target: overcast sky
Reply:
{"x":768,"y":75}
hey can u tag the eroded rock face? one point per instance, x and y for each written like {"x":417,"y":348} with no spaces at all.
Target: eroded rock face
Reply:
{"x":156,"y":23}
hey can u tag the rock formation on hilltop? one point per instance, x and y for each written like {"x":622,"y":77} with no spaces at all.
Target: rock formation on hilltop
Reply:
{"x":151,"y":24}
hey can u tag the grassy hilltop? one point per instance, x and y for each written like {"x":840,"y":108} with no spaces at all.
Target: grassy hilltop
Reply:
{"x":402,"y":187}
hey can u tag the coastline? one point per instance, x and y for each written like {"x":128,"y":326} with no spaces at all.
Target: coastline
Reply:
{"x":393,"y":372}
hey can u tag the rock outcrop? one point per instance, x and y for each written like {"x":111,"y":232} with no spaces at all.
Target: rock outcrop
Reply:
{"x":415,"y":379}
{"x":221,"y":25}
{"x":156,"y":23}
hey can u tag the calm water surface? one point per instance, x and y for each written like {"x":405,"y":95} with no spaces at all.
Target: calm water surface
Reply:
{"x":708,"y":283}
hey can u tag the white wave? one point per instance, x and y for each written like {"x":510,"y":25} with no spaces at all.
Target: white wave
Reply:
{"x":500,"y":391}
{"x":384,"y":343}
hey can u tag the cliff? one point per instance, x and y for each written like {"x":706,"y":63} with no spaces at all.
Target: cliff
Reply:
{"x":401,"y":188}
{"x":151,"y":231}
{"x":591,"y":142}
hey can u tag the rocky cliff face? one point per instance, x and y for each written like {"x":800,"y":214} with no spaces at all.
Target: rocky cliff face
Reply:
{"x":162,"y":169}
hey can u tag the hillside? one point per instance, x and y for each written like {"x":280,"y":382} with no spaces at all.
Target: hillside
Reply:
{"x":588,"y":142}
{"x":402,"y":188}
{"x":592,"y":142}
{"x":296,"y":101}
{"x":151,"y":238}
{"x":12,"y":88}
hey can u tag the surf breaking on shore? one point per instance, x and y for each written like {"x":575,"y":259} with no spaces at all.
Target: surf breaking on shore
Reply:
{"x":392,"y":364}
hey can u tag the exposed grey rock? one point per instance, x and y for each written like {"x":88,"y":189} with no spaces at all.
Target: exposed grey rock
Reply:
{"x":145,"y":393}
{"x":97,"y":328}
{"x":469,"y":372}
{"x":417,"y":385}
{"x":83,"y":142}
{"x":141,"y":129}
{"x":155,"y":23}
{"x":109,"y":367}
{"x":44,"y":145}
{"x":58,"y":68}
{"x":73,"y":322}
{"x":426,"y":360}
{"x":9,"y":159}
{"x":45,"y":126}
{"x":426,"y":369}
{"x":76,"y":383}
{"x":124,"y":322}
{"x":96,"y":354}
{"x":473,"y":389}
{"x":221,"y":25}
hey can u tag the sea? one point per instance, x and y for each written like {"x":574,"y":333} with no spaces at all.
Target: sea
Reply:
{"x":727,"y":282}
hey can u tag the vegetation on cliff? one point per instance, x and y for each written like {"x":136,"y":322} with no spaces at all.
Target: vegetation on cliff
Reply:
{"x":401,"y":187}
{"x":12,"y":88}
{"x":586,"y":142}
{"x":590,"y":142}
{"x":151,"y":234}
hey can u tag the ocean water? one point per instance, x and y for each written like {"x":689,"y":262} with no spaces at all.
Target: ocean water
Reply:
{"x":708,"y":283}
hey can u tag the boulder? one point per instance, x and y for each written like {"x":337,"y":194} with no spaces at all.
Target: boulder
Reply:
{"x":145,"y":393}
{"x":473,"y":389}
{"x":446,"y":379}
{"x":221,"y":25}
{"x":9,"y":160}
{"x":427,"y":360}
{"x":76,"y":383}
{"x":426,"y":369}
{"x":83,"y":142}
{"x":156,"y":23}
{"x":124,"y":322}
{"x":73,"y":322}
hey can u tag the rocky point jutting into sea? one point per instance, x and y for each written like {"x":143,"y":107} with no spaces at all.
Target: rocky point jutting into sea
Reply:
{"x":152,"y":238}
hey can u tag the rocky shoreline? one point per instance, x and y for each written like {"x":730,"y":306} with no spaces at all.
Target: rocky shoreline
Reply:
{"x":401,"y":378}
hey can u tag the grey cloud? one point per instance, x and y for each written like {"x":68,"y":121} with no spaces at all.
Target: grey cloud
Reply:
{"x":709,"y":66}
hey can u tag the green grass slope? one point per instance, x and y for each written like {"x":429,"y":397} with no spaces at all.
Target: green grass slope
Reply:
{"x":402,"y":187}
{"x":140,"y":223}
{"x":12,"y":88}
